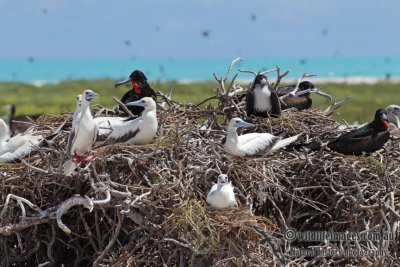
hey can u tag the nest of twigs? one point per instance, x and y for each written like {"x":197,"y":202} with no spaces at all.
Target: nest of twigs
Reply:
{"x":145,"y":205}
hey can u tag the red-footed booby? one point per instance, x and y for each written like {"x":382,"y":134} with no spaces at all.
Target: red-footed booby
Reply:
{"x":15,"y":148}
{"x":392,"y":112}
{"x":136,"y":131}
{"x":221,"y":195}
{"x":83,"y":135}
{"x":252,"y":144}
{"x":75,"y":118}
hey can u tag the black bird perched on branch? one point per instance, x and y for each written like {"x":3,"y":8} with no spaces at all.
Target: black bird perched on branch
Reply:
{"x":261,"y":99}
{"x":366,"y":139}
{"x":299,"y":95}
{"x":140,"y":89}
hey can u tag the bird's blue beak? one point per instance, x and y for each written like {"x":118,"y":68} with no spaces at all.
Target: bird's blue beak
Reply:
{"x":396,"y":111}
{"x":91,"y":95}
{"x":140,"y":103}
{"x":244,"y":124}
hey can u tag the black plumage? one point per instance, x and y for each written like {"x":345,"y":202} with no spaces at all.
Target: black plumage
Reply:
{"x":261,"y":99}
{"x":300,"y":102}
{"x":366,"y":139}
{"x":140,"y":89}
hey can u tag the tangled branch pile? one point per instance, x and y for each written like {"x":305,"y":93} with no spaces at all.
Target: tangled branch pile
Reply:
{"x":145,"y":205}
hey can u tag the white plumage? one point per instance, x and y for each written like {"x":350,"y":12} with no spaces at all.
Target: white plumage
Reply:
{"x":137,"y":131}
{"x":17,"y":147}
{"x":262,"y":96}
{"x":252,"y":144}
{"x":83,"y":135}
{"x":392,"y":112}
{"x":77,"y":112}
{"x":221,"y":195}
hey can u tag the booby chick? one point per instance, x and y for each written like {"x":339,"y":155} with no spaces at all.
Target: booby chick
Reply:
{"x":221,"y":195}
{"x":252,"y":144}
{"x":136,"y":131}
{"x":140,"y":89}
{"x":15,"y":148}
{"x":83,"y":136}
{"x":261,"y":99}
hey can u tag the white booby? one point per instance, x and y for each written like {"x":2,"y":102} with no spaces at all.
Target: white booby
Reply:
{"x":392,"y":112}
{"x":221,"y":195}
{"x":4,"y":131}
{"x":75,"y":118}
{"x":136,"y":131}
{"x":83,"y":136}
{"x":77,"y":112}
{"x":17,"y":147}
{"x":252,"y":144}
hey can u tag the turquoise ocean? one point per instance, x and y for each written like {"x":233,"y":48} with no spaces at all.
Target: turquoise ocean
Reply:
{"x":173,"y":69}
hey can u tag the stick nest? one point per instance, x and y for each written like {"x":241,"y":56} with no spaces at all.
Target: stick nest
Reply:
{"x":145,"y":205}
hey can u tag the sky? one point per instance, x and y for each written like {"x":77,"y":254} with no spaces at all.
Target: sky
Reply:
{"x":87,"y":29}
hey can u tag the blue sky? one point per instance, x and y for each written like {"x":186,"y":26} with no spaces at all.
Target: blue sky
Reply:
{"x":58,"y":29}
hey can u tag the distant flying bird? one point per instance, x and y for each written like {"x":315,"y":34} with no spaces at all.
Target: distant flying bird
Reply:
{"x":221,"y":195}
{"x":253,"y":17}
{"x":31,"y":59}
{"x":303,"y":61}
{"x":140,"y":89}
{"x":127,"y":42}
{"x":325,"y":31}
{"x":45,"y":10}
{"x":206,"y":33}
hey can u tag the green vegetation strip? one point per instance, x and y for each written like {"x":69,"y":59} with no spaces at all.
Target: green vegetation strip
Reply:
{"x":58,"y":98}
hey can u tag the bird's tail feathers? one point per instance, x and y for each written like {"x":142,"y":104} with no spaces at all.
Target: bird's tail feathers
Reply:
{"x":314,"y":146}
{"x":284,"y":142}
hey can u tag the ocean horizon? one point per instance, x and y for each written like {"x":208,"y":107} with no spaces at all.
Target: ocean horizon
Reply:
{"x":339,"y":68}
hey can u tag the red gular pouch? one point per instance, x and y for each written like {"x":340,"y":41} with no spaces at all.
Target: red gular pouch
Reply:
{"x":78,"y":159}
{"x":384,"y":122}
{"x":136,"y":87}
